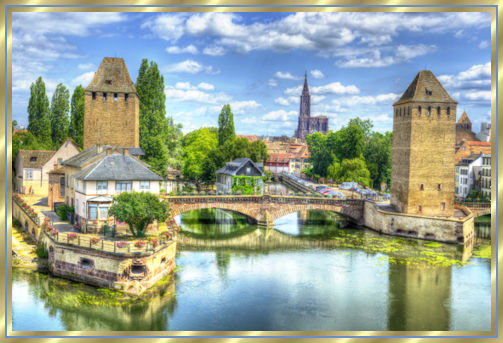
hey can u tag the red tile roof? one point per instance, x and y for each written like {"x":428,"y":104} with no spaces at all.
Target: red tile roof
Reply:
{"x":478,"y":143}
{"x":251,"y":138}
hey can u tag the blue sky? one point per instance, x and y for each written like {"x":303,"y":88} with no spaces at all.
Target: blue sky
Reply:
{"x":357,"y":64}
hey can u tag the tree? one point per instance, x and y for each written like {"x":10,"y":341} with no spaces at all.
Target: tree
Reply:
{"x":27,"y":141}
{"x":39,"y":122}
{"x":60,"y":105}
{"x":225,"y":125}
{"x":174,"y":144}
{"x":321,"y":155}
{"x":366,"y":126}
{"x":14,"y":124}
{"x":76,"y":128}
{"x":153,"y":123}
{"x":139,"y":209}
{"x":196,"y":147}
{"x":377,"y":154}
{"x":258,"y":151}
{"x":350,"y":170}
{"x":348,"y":142}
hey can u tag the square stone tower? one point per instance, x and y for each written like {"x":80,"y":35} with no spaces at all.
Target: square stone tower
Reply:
{"x":424,"y":133}
{"x":111,"y":107}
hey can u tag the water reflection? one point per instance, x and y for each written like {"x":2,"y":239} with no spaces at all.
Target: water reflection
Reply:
{"x":308,"y":273}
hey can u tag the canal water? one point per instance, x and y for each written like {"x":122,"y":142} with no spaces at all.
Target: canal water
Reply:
{"x":310,"y":273}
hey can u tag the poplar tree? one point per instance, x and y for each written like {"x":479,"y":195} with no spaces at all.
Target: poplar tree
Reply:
{"x":60,"y":105}
{"x":153,"y":123}
{"x":225,"y":125}
{"x":76,"y":129}
{"x":39,"y":122}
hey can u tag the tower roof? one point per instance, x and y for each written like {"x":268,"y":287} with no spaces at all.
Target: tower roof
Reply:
{"x":305,"y":90}
{"x":112,"y":76}
{"x":425,"y":88}
{"x":464,"y":119}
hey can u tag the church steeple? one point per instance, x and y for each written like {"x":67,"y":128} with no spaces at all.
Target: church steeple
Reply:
{"x":305,"y":90}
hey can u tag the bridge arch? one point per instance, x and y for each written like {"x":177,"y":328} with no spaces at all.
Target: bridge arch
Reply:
{"x":234,"y":207}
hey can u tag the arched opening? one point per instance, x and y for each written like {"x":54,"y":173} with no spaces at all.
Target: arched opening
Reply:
{"x":86,"y":263}
{"x":163,"y":260}
{"x":138,"y":269}
{"x":311,"y":223}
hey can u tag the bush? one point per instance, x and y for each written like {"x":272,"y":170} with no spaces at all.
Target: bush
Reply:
{"x":17,"y":223}
{"x":162,"y":190}
{"x":41,"y":250}
{"x":63,"y":210}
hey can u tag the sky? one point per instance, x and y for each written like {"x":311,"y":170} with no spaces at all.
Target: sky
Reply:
{"x":357,"y":64}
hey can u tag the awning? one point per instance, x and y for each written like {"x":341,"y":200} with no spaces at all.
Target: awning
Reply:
{"x":101,"y":198}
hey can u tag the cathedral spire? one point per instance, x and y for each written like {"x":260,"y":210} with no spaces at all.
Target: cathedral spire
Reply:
{"x":305,"y":90}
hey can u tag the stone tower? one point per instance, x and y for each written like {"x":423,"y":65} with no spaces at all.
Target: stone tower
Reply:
{"x":308,"y":124}
{"x":424,"y":131}
{"x":112,"y":107}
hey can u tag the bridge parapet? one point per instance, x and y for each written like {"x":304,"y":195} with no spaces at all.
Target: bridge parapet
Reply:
{"x":266,"y":208}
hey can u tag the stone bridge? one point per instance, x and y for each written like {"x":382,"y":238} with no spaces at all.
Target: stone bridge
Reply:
{"x":264,"y":209}
{"x":478,"y":208}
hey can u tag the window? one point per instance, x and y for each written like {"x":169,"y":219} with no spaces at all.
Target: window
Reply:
{"x":84,"y":208}
{"x":29,"y":174}
{"x":108,"y":82}
{"x":126,"y":97}
{"x":419,"y":208}
{"x":421,"y":188}
{"x":123,"y":186}
{"x":442,"y":206}
{"x":102,"y":187}
{"x":429,"y":111}
{"x":248,"y":170}
{"x":83,"y":186}
{"x":103,"y":212}
{"x":144,"y":185}
{"x":115,"y":96}
{"x":439,"y":187}
{"x":448,"y":111}
{"x":94,"y":95}
{"x":457,"y":169}
{"x":438,"y":111}
{"x":93,"y":211}
{"x":77,"y":206}
{"x":419,"y":111}
{"x":77,"y":185}
{"x":104,"y":96}
{"x":60,"y":160}
{"x":33,"y":159}
{"x":457,"y":178}
{"x":457,"y":190}
{"x":62,"y":186}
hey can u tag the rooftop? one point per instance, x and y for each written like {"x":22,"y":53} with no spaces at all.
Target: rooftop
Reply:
{"x":35,"y":158}
{"x":112,"y":76}
{"x":425,"y":88}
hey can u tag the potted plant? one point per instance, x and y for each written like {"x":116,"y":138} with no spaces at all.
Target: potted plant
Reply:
{"x":95,"y":240}
{"x":122,"y":244}
{"x":139,"y":244}
{"x":72,"y":235}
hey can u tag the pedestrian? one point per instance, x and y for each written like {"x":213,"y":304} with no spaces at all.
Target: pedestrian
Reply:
{"x":29,"y":191}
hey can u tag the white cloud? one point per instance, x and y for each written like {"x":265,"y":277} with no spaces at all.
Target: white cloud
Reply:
{"x":317,"y":74}
{"x":240,"y":107}
{"x":478,"y":95}
{"x":86,"y":66}
{"x":83,"y":79}
{"x":335,"y":88}
{"x":366,"y":100}
{"x":184,"y":91}
{"x":282,"y":101}
{"x":286,"y":76}
{"x":472,"y":84}
{"x":214,"y":51}
{"x":312,"y":31}
{"x":272,"y":83}
{"x":316,"y":99}
{"x":379,"y":118}
{"x":192,"y":67}
{"x":189,"y":49}
{"x":483,"y":44}
{"x":279,"y":115}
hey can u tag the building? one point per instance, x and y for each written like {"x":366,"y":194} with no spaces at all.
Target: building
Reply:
{"x":111,"y":174}
{"x":485,"y":182}
{"x":111,"y":115}
{"x":278,"y":163}
{"x":485,"y":132}
{"x":468,"y":175}
{"x":230,"y":174}
{"x":84,"y":159}
{"x":308,"y":124}
{"x":32,"y":166}
{"x":299,"y":158}
{"x":464,"y":130}
{"x":56,"y":187}
{"x":423,"y":149}
{"x":468,"y":148}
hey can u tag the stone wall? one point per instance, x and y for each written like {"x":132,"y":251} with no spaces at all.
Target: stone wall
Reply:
{"x":129,"y":274}
{"x":449,"y":230}
{"x":28,"y":224}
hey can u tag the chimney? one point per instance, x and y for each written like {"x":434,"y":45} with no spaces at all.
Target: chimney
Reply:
{"x":125,"y":151}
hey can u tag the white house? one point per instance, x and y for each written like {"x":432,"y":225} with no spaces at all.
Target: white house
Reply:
{"x":485,"y":183}
{"x":465,"y":175}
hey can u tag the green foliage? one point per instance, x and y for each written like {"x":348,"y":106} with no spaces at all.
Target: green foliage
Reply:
{"x":138,"y":209}
{"x":39,"y":122}
{"x":76,"y":128}
{"x":41,"y":250}
{"x":26,"y":141}
{"x":377,"y":154}
{"x":159,"y":136}
{"x":246,"y":184}
{"x":350,"y":170}
{"x":60,"y":105}
{"x":14,"y":124}
{"x":268,"y":175}
{"x":225,"y":125}
{"x":63,"y":210}
{"x":321,"y":156}
{"x":196,"y":147}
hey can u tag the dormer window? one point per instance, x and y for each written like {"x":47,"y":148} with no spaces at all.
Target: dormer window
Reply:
{"x":108,"y":82}
{"x":427,"y":91}
{"x":33,"y":159}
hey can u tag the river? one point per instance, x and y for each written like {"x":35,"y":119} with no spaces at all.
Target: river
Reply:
{"x":309,"y":273}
